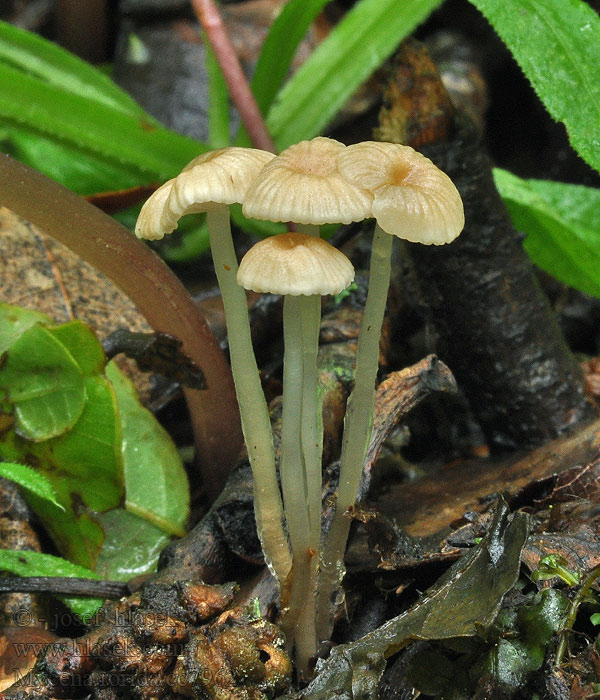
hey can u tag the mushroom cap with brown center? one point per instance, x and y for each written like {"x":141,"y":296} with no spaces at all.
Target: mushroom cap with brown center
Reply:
{"x":295,"y":263}
{"x":303,"y":184}
{"x":412,"y":198}
{"x":213,"y":178}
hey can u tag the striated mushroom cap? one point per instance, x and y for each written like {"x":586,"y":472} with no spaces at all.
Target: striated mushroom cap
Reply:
{"x":303,"y":184}
{"x":215,"y":177}
{"x":295,"y":263}
{"x":412,"y":198}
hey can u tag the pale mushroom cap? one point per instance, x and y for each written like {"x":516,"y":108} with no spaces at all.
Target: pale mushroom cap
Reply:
{"x":303,"y":184}
{"x":295,"y":263}
{"x":412,"y":198}
{"x":213,"y":178}
{"x":150,"y":223}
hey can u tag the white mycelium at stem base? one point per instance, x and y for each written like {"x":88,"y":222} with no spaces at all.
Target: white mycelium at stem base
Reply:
{"x":301,"y":267}
{"x":209,"y":184}
{"x":412,"y":199}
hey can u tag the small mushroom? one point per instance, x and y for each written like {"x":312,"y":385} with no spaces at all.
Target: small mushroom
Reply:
{"x":301,"y":267}
{"x":303,"y":184}
{"x":412,"y":199}
{"x":210,"y":183}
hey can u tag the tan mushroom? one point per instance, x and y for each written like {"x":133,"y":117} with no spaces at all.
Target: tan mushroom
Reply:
{"x":412,"y":199}
{"x":301,"y":267}
{"x":303,"y":184}
{"x":210,"y":183}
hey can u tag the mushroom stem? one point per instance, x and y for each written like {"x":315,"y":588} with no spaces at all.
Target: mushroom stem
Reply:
{"x":256,"y":424}
{"x":357,"y":428}
{"x":293,"y":469}
{"x":312,"y":423}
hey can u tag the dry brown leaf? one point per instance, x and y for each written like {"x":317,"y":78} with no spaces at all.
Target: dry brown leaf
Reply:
{"x":37,"y":272}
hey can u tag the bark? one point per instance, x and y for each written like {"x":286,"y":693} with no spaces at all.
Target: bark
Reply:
{"x":497,"y":331}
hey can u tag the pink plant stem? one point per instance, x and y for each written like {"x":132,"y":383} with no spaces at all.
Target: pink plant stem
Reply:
{"x":237,"y":84}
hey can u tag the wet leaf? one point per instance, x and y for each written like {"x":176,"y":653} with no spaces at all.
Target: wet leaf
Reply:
{"x":131,"y":546}
{"x":560,"y":222}
{"x":156,"y":482}
{"x":82,"y":344}
{"x":14,"y":321}
{"x":557,"y":45}
{"x":24,"y":563}
{"x":575,"y":543}
{"x":46,"y":386}
{"x":84,"y":466}
{"x":463,"y":602}
{"x":579,"y":483}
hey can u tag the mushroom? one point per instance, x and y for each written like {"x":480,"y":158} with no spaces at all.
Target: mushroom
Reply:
{"x":209,"y":184}
{"x":303,"y":185}
{"x":412,"y":199}
{"x":301,"y":267}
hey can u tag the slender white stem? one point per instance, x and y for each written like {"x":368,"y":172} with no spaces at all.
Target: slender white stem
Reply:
{"x":256,"y":424}
{"x":312,"y":420}
{"x":357,"y":429}
{"x":293,"y":481}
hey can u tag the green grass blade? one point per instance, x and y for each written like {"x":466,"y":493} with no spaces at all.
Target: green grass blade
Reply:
{"x":218,"y":102}
{"x":131,"y":141}
{"x":277,"y":53}
{"x":52,"y":64}
{"x":557,"y":45}
{"x":280,"y":46}
{"x":365,"y":37}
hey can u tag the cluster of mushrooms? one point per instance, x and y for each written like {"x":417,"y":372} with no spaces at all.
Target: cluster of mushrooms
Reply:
{"x":315,"y":182}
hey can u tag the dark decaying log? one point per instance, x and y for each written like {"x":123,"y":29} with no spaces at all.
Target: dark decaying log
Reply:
{"x":497,"y":331}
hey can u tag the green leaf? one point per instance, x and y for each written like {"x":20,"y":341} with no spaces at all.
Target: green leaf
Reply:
{"x":277,"y":53}
{"x":131,"y":547}
{"x":84,"y":466}
{"x":25,"y":563}
{"x":364,"y":38}
{"x":47,"y":61}
{"x":562,"y":225}
{"x":218,"y":101}
{"x":557,"y":45}
{"x":132,"y":141}
{"x":29,"y":480}
{"x":14,"y":321}
{"x":83,"y":345}
{"x":80,"y":171}
{"x":45,"y":384}
{"x":465,"y":600}
{"x":156,"y":482}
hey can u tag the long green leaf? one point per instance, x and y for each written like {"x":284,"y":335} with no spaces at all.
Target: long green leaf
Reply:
{"x":366,"y":36}
{"x":557,"y":45}
{"x":80,"y":171}
{"x":562,"y":227}
{"x":218,"y":101}
{"x":92,"y":127}
{"x":278,"y":51}
{"x":36,"y":56}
